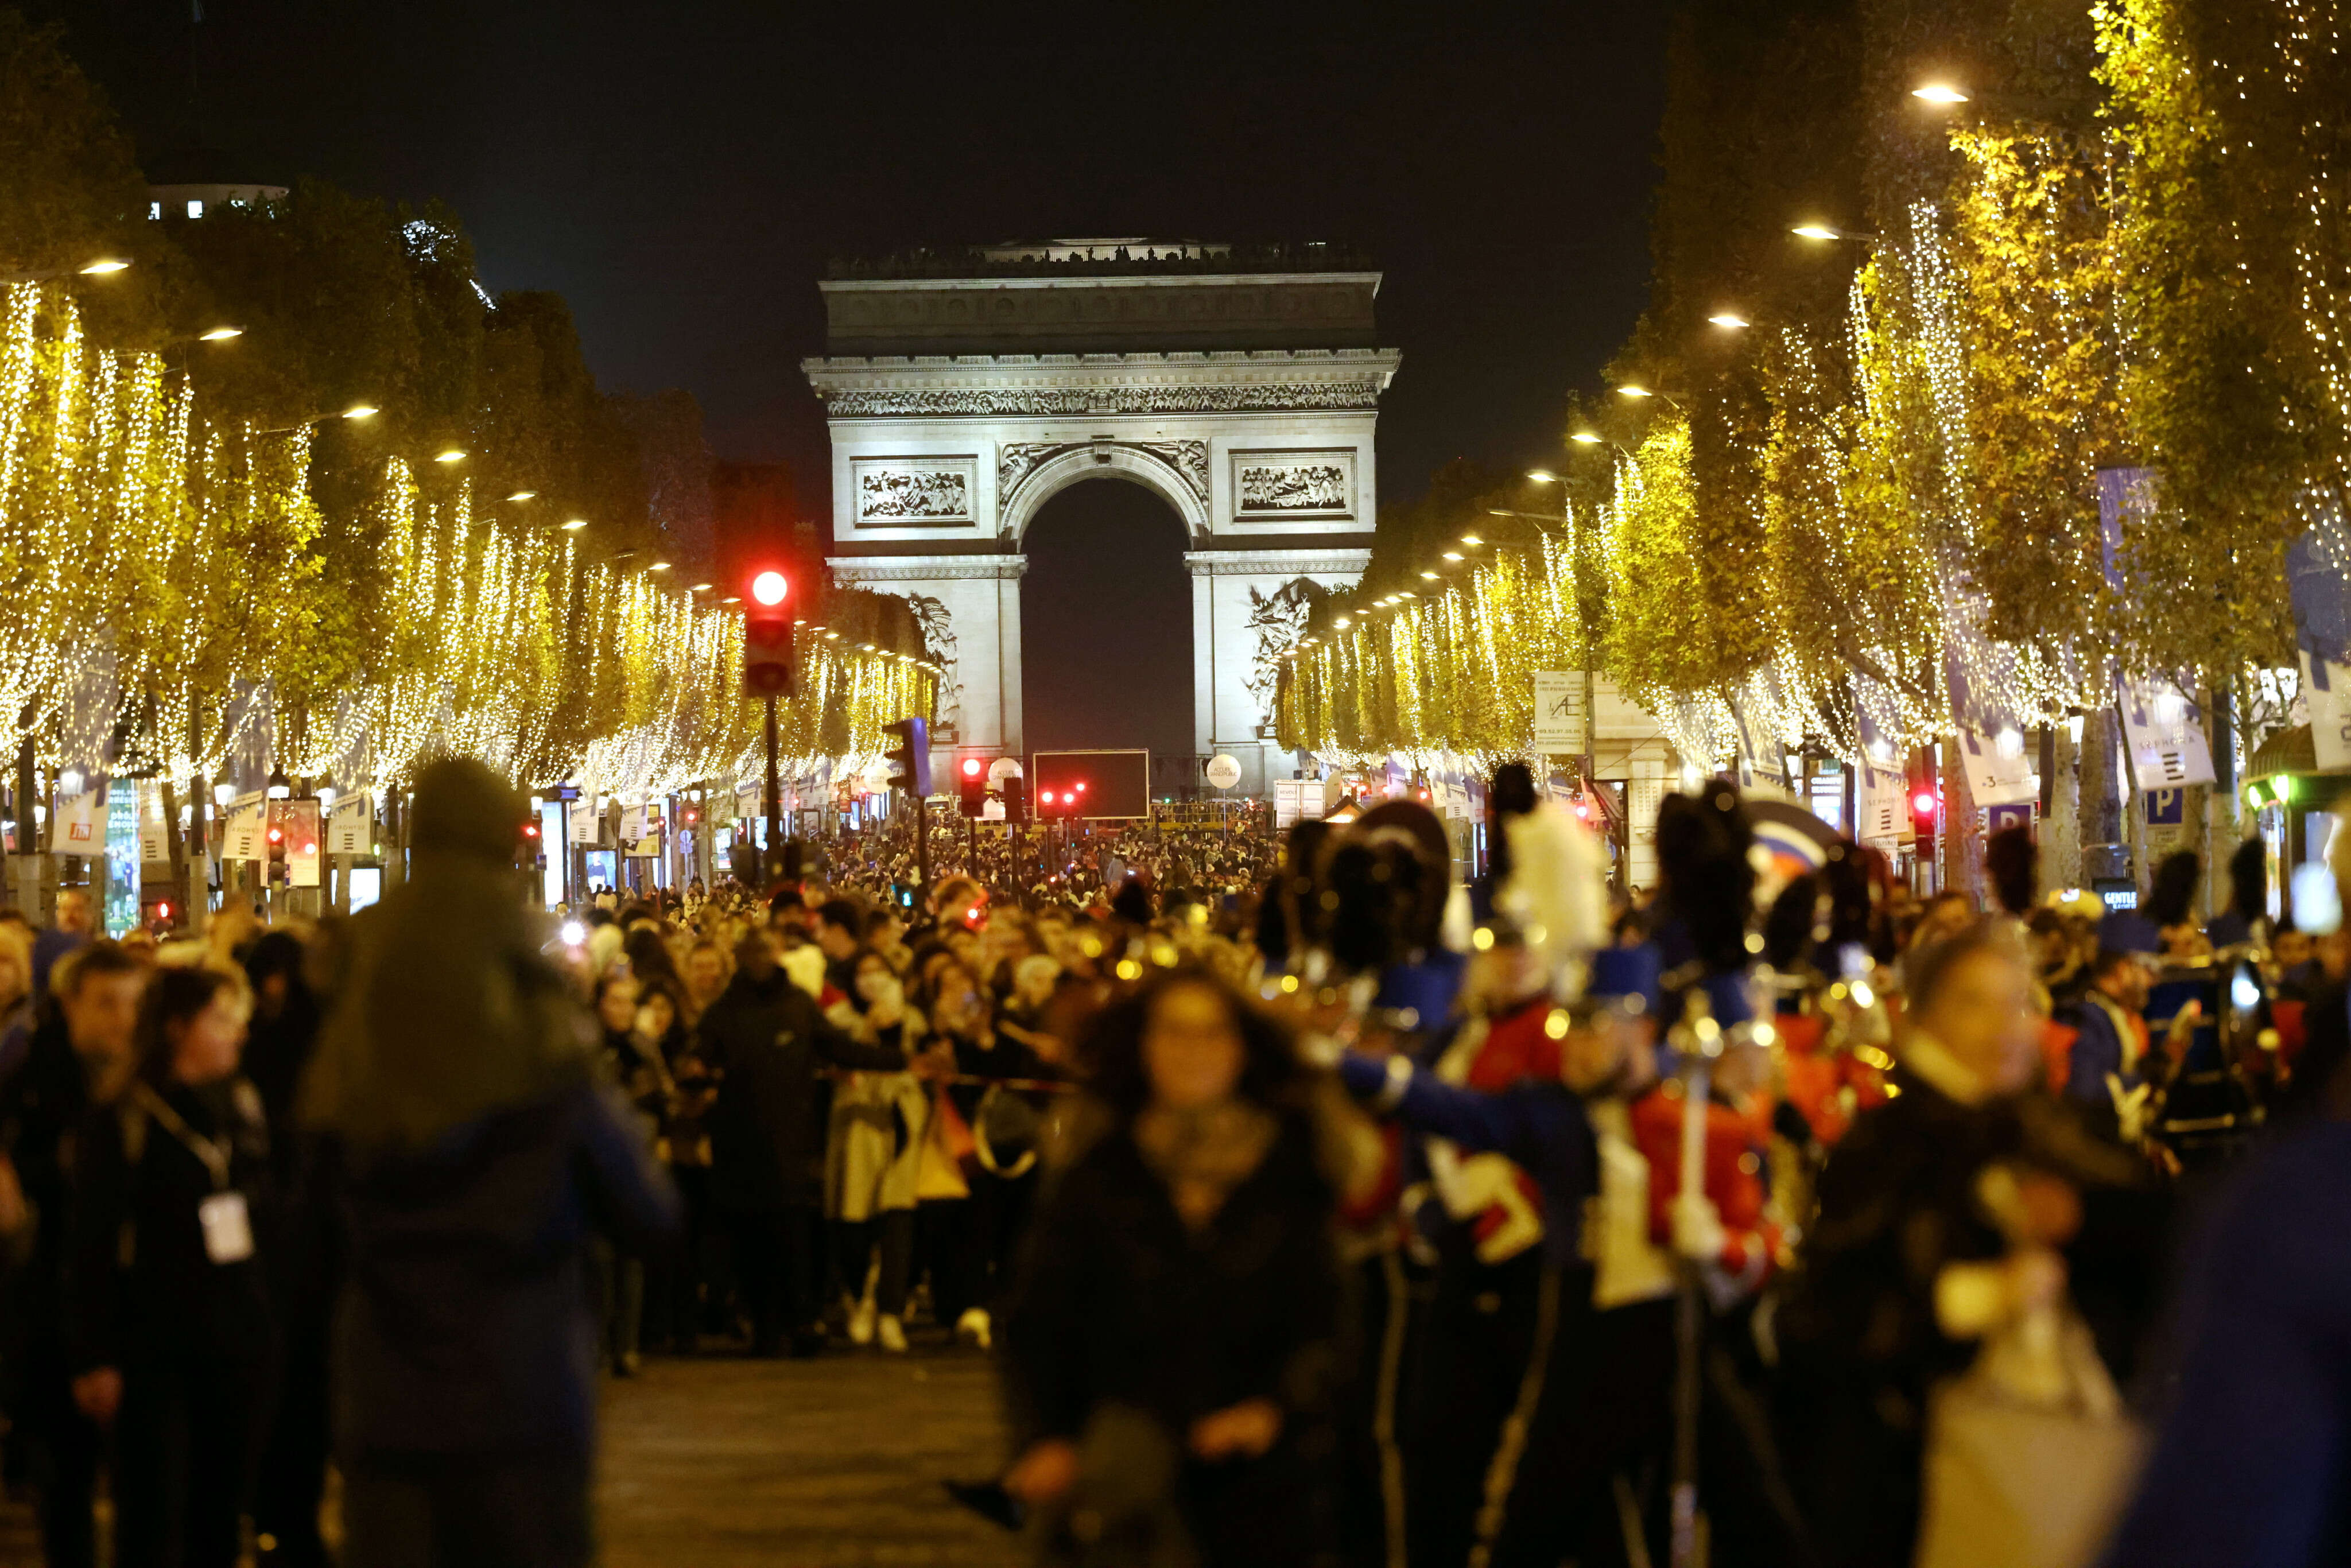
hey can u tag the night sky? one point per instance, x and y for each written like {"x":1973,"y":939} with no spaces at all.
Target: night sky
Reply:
{"x":681,"y":170}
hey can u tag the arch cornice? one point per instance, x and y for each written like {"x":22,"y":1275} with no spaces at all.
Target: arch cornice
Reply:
{"x":1136,"y":464}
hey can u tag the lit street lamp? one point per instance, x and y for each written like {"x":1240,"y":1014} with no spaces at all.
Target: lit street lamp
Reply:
{"x":102,"y":266}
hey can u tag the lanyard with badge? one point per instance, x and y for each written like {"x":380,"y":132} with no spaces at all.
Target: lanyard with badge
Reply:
{"x":227,"y":1227}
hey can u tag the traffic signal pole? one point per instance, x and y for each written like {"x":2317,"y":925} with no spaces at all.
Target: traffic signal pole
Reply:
{"x":772,"y":861}
{"x":923,"y":852}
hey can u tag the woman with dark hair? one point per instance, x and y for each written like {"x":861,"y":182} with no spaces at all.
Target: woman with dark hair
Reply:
{"x":169,"y":1307}
{"x":1171,"y":1342}
{"x":1909,"y":1267}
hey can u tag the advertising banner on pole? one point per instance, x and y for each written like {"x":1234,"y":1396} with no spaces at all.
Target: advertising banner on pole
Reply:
{"x":2326,"y":693}
{"x":1559,"y":713}
{"x":351,"y":826}
{"x":154,"y":843}
{"x":587,"y":823}
{"x":1995,"y":776}
{"x":74,"y":826}
{"x":303,"y":842}
{"x":2166,"y":734}
{"x":241,"y":833}
{"x":1884,"y":818}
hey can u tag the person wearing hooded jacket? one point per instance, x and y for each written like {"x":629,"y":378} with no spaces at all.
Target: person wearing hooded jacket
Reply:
{"x":474,"y":1153}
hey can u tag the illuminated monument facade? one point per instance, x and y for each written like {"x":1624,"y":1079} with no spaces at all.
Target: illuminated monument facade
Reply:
{"x":963,"y":391}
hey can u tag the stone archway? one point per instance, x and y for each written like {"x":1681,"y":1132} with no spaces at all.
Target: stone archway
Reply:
{"x":1246,"y":398}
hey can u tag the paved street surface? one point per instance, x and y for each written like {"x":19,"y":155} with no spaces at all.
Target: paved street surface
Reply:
{"x":823,"y":1464}
{"x":833,"y":1463}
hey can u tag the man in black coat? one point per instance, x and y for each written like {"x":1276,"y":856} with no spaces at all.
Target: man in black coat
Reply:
{"x":767,"y":1041}
{"x":80,"y":1049}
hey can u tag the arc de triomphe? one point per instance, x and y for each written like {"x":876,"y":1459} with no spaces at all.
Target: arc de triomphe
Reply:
{"x":1243,"y":390}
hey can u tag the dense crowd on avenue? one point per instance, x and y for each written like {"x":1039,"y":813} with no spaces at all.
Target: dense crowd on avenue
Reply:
{"x":1316,"y":1208}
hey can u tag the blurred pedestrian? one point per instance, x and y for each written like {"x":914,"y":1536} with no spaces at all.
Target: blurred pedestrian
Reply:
{"x":304,"y":1264}
{"x":1173,"y":1342}
{"x":765,"y":1039}
{"x":454,"y":1084}
{"x":80,"y":1056}
{"x":170,"y":1317}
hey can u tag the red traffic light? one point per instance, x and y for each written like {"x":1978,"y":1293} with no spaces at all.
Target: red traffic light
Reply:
{"x":1081,"y":786}
{"x":276,"y":835}
{"x":1046,"y":796}
{"x":971,"y":767}
{"x":1924,"y":802}
{"x":530,"y":829}
{"x":768,"y":589}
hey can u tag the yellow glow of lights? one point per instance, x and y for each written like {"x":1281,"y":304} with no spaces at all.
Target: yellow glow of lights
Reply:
{"x":103,"y":266}
{"x":1939,"y":92}
{"x":1725,"y":318}
{"x":575,"y":525}
{"x":450,"y":454}
{"x":221,"y":334}
{"x":1813,"y":231}
{"x":1473,"y":541}
{"x":1634,"y":391}
{"x":1452,"y":555}
{"x":522,"y":495}
{"x":360,"y":410}
{"x":658,"y":566}
{"x":1544,"y":475}
{"x":1584,"y":438}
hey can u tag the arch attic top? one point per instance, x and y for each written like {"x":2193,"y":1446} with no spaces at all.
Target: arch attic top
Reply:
{"x":1101,"y":297}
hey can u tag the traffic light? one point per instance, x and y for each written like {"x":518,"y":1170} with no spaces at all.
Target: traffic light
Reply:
{"x":971,"y":787}
{"x":1015,"y":790}
{"x":274,"y":834}
{"x":691,"y":815}
{"x":1924,"y":807}
{"x":911,"y":757}
{"x":768,"y":636}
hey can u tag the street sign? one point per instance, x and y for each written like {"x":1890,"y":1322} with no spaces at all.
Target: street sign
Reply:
{"x":1224,"y":770}
{"x":566,"y":792}
{"x":1559,"y":713}
{"x":1998,"y":818}
{"x":2166,"y":808}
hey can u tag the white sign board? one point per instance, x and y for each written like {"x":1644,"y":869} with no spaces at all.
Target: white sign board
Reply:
{"x":1224,"y":770}
{"x":1997,"y":775}
{"x":2166,"y":734}
{"x":1294,"y":800}
{"x":587,"y":823}
{"x":1559,"y":713}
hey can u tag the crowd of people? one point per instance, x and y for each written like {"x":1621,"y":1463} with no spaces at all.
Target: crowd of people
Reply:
{"x":1316,"y":1208}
